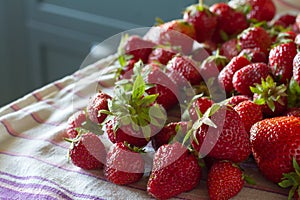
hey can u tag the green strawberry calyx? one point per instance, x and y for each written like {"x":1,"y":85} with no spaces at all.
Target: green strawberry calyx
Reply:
{"x":292,"y":180}
{"x":268,"y":92}
{"x":293,"y":93}
{"x":132,"y":106}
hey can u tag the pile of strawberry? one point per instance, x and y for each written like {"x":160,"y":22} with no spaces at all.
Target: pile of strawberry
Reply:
{"x":237,"y":97}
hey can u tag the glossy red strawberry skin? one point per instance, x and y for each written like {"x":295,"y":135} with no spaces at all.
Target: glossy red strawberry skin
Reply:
{"x":281,"y":61}
{"x":165,"y":135}
{"x":123,"y":166}
{"x":203,"y":20}
{"x":254,"y":55}
{"x":249,"y":112}
{"x":89,"y":152}
{"x":202,"y":103}
{"x":185,"y":67}
{"x":226,"y":75}
{"x":163,"y":86}
{"x":178,"y":33}
{"x":235,"y":100}
{"x":125,"y":134}
{"x":233,"y":142}
{"x":279,"y":108}
{"x":161,"y":55}
{"x":246,"y":77}
{"x":285,"y":20}
{"x":224,"y":180}
{"x":138,"y":48}
{"x":261,"y":10}
{"x":175,"y":170}
{"x":229,"y":48}
{"x":255,"y":37}
{"x":275,"y":141}
{"x":96,"y":103}
{"x":229,"y":20}
{"x":296,"y":68}
{"x":75,"y":121}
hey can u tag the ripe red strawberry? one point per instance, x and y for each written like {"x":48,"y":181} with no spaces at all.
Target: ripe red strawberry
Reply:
{"x":295,"y":111}
{"x":296,"y":68}
{"x":125,"y":133}
{"x":285,"y":20}
{"x":168,"y":132}
{"x":254,"y":55}
{"x":281,"y":61}
{"x":133,"y":115}
{"x":275,"y":141}
{"x":163,"y":86}
{"x":186,"y":67}
{"x":161,"y":55}
{"x":75,"y":121}
{"x":226,"y":75}
{"x":212,"y":66}
{"x":87,"y":151}
{"x":261,"y":10}
{"x":225,"y":180}
{"x":249,"y":112}
{"x":229,"y":49}
{"x":175,"y":170}
{"x":255,"y":37}
{"x":230,"y":21}
{"x":202,"y":19}
{"x":272,"y":98}
{"x":126,"y":71}
{"x":178,"y":33}
{"x":138,"y":48}
{"x":226,"y":140}
{"x":235,"y":100}
{"x":246,"y":77}
{"x":202,"y":103}
{"x":123,"y":165}
{"x":96,"y":103}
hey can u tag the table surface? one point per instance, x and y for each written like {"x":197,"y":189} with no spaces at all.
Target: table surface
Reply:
{"x":33,"y":153}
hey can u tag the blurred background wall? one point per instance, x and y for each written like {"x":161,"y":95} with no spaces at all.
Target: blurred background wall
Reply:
{"x":44,"y":40}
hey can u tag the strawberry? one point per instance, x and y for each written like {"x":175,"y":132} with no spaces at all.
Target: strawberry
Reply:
{"x":125,"y":71}
{"x":275,"y":141}
{"x":249,"y":75}
{"x":222,"y":135}
{"x":124,"y":164}
{"x":161,"y":55}
{"x":285,"y":20}
{"x":76,"y":120}
{"x":137,"y":47}
{"x":229,"y":49}
{"x":272,"y":98}
{"x":226,"y":75}
{"x":235,"y":100}
{"x":249,"y":112}
{"x":96,"y":103}
{"x":200,"y":54}
{"x":87,"y":151}
{"x":179,"y":34}
{"x":175,"y":170}
{"x":296,"y":68}
{"x":163,"y":86}
{"x":133,"y":115}
{"x":212,"y":66}
{"x":230,"y":21}
{"x":168,"y":132}
{"x":201,"y":104}
{"x":281,"y":61}
{"x":186,"y":67}
{"x":295,"y":111}
{"x":255,"y":37}
{"x":262,"y":10}
{"x":225,"y":180}
{"x":202,"y":19}
{"x":254,"y":55}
